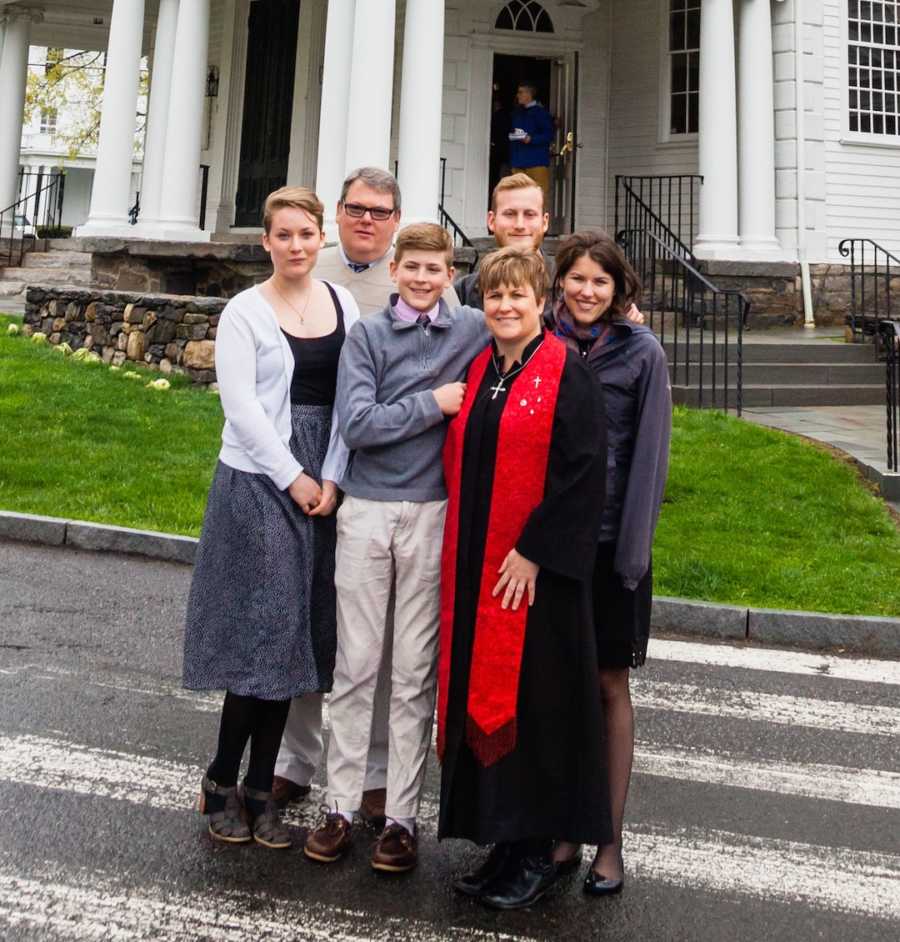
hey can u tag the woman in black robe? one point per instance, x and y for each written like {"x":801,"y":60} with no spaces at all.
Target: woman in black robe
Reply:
{"x":517,"y":779}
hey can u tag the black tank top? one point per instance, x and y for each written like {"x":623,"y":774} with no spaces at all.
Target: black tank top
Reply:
{"x":316,"y":362}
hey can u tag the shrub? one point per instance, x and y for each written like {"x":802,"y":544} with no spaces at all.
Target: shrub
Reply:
{"x":54,"y":232}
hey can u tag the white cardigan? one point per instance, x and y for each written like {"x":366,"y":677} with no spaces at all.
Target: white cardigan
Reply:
{"x":254,"y":367}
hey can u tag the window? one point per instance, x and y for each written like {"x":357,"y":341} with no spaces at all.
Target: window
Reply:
{"x":525,"y":15}
{"x":48,"y":121}
{"x":873,"y":58}
{"x":684,"y":66}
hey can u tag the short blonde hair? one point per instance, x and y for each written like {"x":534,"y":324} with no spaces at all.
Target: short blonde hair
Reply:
{"x":513,"y":267}
{"x":424,"y":237}
{"x":293,"y":197}
{"x":515,"y":181}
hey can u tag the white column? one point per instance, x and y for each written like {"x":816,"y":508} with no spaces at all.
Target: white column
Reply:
{"x":158,"y":117}
{"x":756,"y":131}
{"x":111,"y":191}
{"x":421,"y":92}
{"x":718,"y":230}
{"x":371,"y":86}
{"x":184,"y":134}
{"x":332,"y":155}
{"x":14,"y":42}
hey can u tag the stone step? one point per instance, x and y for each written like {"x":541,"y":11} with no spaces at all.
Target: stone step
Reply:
{"x":58,"y":259}
{"x":762,"y":396}
{"x":762,"y":352}
{"x":47,"y":276}
{"x":66,"y":245}
{"x":788,"y":374}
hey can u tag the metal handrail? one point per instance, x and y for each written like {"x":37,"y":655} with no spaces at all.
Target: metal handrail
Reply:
{"x":52,"y":194}
{"x":702,"y":318}
{"x":667,"y":200}
{"x":889,"y":334}
{"x":869,"y":306}
{"x":135,"y":211}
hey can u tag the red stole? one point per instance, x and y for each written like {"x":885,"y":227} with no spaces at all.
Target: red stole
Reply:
{"x":523,"y":450}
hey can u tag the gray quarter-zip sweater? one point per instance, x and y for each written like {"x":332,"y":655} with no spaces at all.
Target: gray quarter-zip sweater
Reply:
{"x":387,"y":413}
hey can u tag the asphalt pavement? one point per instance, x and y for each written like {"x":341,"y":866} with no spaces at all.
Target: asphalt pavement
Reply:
{"x":765,"y":803}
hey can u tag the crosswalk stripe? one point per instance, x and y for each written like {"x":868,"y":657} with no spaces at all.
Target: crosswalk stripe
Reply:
{"x":836,"y":878}
{"x":870,"y":787}
{"x":776,"y":661}
{"x":741,"y":703}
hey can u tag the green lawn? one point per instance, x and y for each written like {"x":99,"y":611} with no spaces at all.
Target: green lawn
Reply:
{"x":752,"y":516}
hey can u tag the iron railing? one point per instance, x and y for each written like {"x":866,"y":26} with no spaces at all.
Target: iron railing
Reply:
{"x":872,"y":270}
{"x":700,"y":325}
{"x":40,"y":207}
{"x":889,"y":332}
{"x":135,"y":212}
{"x":446,"y":220}
{"x":666,"y":205}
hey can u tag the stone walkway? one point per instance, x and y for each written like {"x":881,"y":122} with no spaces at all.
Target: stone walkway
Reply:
{"x":857,"y":430}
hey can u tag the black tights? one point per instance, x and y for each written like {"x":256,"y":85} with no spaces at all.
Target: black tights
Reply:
{"x":260,"y":721}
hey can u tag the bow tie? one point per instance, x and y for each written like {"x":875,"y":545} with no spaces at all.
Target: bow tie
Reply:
{"x":357,"y":267}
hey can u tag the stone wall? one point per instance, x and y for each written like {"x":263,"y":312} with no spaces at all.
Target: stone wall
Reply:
{"x":171,"y":333}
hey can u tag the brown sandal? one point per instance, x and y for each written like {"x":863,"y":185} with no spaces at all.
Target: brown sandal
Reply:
{"x":228,"y":824}
{"x":267,"y":827}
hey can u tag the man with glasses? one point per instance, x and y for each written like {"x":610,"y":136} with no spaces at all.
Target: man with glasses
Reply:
{"x":368,"y":216}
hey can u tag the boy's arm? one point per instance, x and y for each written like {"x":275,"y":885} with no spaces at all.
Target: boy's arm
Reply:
{"x":365,"y":422}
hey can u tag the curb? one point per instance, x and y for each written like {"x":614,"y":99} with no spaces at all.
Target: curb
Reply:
{"x":858,"y":634}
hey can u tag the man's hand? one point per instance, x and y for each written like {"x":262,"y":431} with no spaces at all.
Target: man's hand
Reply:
{"x":450,"y":397}
{"x":526,"y":139}
{"x":516,"y":574}
{"x":634,"y":315}
{"x":305,"y":492}
{"x":328,"y":502}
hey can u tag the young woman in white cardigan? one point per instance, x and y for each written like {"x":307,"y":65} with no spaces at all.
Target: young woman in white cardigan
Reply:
{"x":261,"y":611}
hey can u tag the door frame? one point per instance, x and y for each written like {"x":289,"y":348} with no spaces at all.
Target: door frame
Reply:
{"x":483,"y":48}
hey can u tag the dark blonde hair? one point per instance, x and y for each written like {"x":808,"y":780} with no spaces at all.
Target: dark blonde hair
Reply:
{"x":293,"y":197}
{"x":424,"y":237}
{"x":512,"y":267}
{"x":515,"y":181}
{"x":602,"y":249}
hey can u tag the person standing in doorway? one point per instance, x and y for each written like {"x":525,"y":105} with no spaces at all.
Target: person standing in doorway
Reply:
{"x":530,"y":137}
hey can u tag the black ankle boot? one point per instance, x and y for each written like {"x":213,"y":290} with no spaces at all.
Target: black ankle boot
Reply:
{"x":523,"y":885}
{"x":473,"y":884}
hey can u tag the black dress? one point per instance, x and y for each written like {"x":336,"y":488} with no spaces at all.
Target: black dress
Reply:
{"x":553,"y":783}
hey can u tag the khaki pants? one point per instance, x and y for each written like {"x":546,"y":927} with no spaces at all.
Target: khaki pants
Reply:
{"x":541,"y":176}
{"x":380,"y":544}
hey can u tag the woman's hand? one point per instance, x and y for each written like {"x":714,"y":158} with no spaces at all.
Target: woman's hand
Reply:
{"x":634,"y":315}
{"x":305,"y":492}
{"x":328,"y":502}
{"x":516,"y":574}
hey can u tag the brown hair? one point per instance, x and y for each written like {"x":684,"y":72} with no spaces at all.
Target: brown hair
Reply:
{"x":513,"y":266}
{"x":600,"y":248}
{"x":515,"y":181}
{"x":293,"y":197}
{"x":424,"y":237}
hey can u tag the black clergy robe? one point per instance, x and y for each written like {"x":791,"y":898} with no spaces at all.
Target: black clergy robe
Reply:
{"x":553,"y":783}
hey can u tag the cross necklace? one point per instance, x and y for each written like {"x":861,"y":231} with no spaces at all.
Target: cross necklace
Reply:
{"x":502,"y":378}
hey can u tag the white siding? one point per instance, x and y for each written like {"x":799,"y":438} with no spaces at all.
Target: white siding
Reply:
{"x":592,"y":192}
{"x":862,"y":181}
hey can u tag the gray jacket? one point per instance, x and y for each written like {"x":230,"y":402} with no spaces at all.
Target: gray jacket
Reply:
{"x":387,"y":413}
{"x":634,"y":374}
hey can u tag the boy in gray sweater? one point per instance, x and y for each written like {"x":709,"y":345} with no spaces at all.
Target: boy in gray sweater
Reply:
{"x":399,"y":381}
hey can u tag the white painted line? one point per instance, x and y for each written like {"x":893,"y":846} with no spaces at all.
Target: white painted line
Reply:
{"x":743,"y":704}
{"x":92,"y":905}
{"x":782,"y":662}
{"x":871,"y":787}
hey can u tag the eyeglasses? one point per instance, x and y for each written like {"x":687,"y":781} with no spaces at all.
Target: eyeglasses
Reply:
{"x":378,"y":213}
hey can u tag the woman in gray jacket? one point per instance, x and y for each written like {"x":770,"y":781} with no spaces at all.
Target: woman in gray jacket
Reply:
{"x":594,"y":289}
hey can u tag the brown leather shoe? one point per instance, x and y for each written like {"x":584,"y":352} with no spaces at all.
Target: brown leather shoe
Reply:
{"x":396,"y":851}
{"x":372,"y":808}
{"x":331,"y":841}
{"x":285,"y":791}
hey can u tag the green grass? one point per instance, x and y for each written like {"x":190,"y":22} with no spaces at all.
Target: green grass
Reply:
{"x":752,"y":516}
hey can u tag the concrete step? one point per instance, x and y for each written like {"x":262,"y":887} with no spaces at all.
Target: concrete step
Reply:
{"x":762,"y":352}
{"x":788,"y":374}
{"x":58,"y":259}
{"x":850,"y":395}
{"x":66,"y":245}
{"x":46,"y":276}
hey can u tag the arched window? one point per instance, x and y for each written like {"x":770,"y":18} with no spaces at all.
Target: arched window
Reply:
{"x":526,"y":16}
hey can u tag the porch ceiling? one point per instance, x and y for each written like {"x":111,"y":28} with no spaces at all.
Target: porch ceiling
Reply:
{"x":78,"y":24}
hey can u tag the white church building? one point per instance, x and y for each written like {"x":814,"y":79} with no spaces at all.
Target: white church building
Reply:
{"x":789,"y":109}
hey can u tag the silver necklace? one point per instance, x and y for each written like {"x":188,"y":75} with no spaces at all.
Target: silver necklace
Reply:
{"x":502,"y":378}
{"x":299,"y":314}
